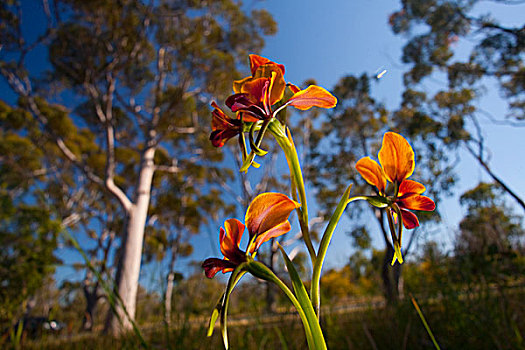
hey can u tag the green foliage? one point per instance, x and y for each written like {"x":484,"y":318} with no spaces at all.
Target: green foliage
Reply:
{"x":28,"y":237}
{"x":490,"y":234}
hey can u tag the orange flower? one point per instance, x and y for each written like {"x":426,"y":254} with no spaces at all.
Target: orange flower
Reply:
{"x":223,"y":127}
{"x":255,"y":95}
{"x":266,"y":218}
{"x":397,"y":164}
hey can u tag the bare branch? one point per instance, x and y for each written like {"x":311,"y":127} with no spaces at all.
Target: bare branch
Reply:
{"x":171,"y":169}
{"x":227,"y":188}
{"x":496,"y":121}
{"x":487,"y":168}
{"x":159,"y":86}
{"x":70,"y":220}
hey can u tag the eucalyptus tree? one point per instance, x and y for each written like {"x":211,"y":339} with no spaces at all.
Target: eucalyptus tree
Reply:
{"x":121,"y":89}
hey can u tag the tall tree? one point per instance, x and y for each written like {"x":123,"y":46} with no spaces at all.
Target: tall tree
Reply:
{"x":124,"y":93}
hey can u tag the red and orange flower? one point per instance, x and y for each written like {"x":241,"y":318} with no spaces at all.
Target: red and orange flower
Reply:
{"x":266,"y":218}
{"x":397,"y":165}
{"x":254,"y":97}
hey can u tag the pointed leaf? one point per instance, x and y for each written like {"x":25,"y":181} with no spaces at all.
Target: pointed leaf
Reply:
{"x":304,"y":301}
{"x":323,"y":247}
{"x":214,"y":316}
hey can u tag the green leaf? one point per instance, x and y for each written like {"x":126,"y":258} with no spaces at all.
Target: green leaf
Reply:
{"x":218,"y":307}
{"x":305,"y":302}
{"x":323,"y":247}
{"x":215,"y":315}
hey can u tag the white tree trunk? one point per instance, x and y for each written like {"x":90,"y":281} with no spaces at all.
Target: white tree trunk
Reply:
{"x":129,"y":264}
{"x":167,"y":298}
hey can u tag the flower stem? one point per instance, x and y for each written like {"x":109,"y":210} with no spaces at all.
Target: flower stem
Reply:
{"x":285,"y":141}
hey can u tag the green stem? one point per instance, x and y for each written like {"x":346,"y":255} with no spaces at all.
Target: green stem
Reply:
{"x":427,"y":327}
{"x":286,"y":143}
{"x":234,"y":278}
{"x":315,"y":285}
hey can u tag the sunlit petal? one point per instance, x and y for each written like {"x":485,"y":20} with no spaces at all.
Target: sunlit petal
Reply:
{"x":268,"y":210}
{"x":238,"y":84}
{"x":396,"y":157}
{"x":372,"y":173}
{"x":256,"y":61}
{"x":409,"y":187}
{"x":417,"y":202}
{"x":230,"y":240}
{"x":277,"y":83}
{"x":247,"y":117}
{"x":293,"y":88}
{"x":256,"y":88}
{"x":275,"y":231}
{"x":312,"y":96}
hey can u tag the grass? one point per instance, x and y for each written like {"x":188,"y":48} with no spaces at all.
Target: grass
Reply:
{"x":471,"y":322}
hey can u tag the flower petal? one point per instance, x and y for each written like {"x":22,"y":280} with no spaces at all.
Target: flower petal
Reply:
{"x":230,"y":240}
{"x":256,"y":88}
{"x":213,"y":265}
{"x":372,"y":173}
{"x":293,"y":88}
{"x":396,"y":157}
{"x":312,"y":96}
{"x":219,"y":137}
{"x":267,"y":211}
{"x":238,"y":84}
{"x":409,"y":187}
{"x":410,"y":220}
{"x":256,"y":61}
{"x":243,"y":103}
{"x":248,"y":117}
{"x":224,"y":128}
{"x":275,"y":231}
{"x":277,"y":83}
{"x":416,"y":202}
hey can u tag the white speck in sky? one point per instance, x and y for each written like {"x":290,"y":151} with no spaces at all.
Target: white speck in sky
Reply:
{"x":380,"y":74}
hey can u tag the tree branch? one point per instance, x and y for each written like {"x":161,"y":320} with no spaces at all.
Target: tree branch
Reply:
{"x":489,"y":171}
